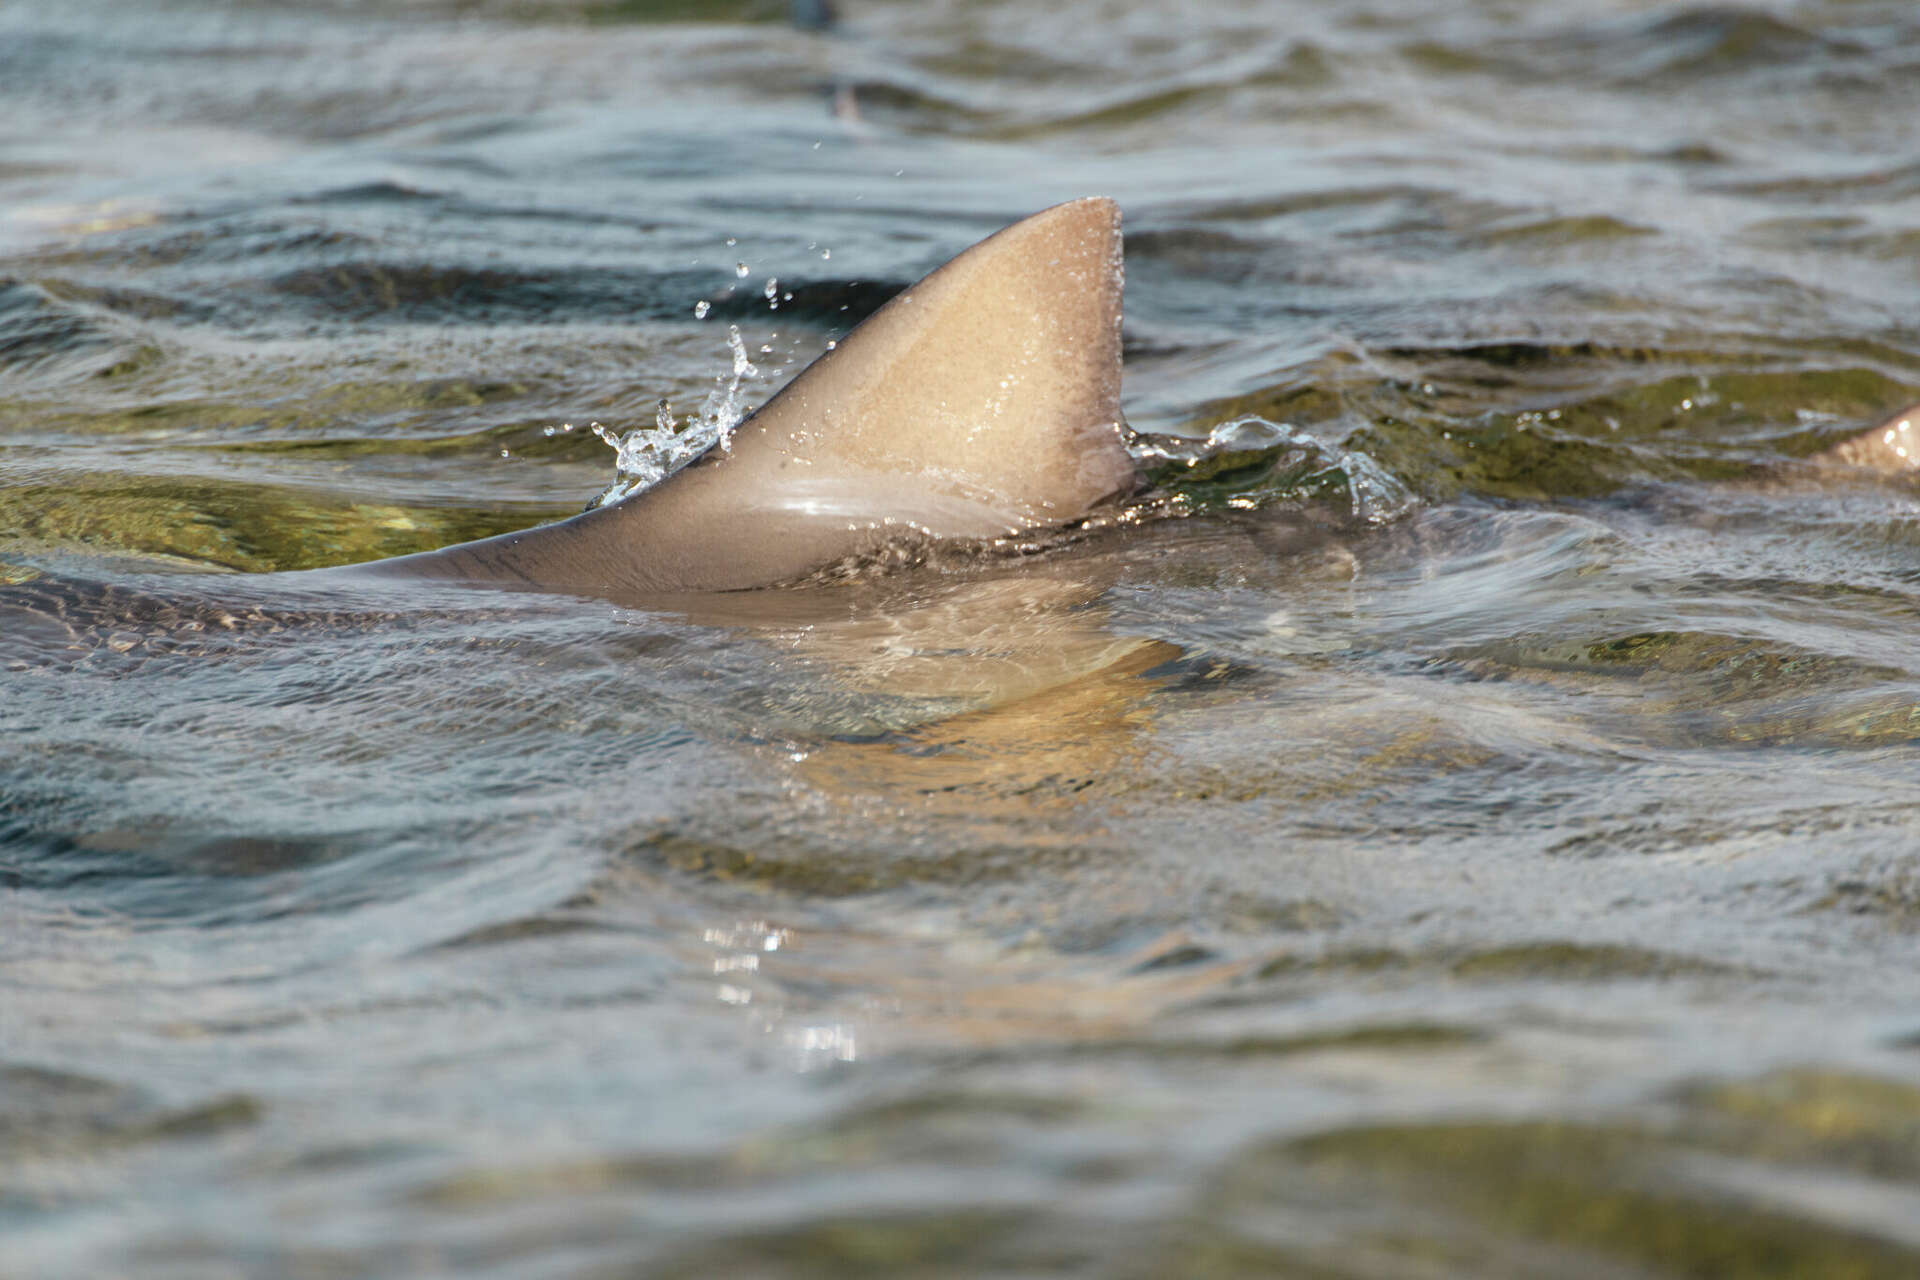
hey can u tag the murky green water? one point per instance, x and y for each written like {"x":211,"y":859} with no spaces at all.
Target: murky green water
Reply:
{"x":1520,"y":881}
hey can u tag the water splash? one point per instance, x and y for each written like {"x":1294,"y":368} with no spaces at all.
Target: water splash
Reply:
{"x":647,"y":455}
{"x":1249,"y":462}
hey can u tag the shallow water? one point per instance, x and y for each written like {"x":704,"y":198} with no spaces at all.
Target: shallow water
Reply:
{"x":1488,"y":851}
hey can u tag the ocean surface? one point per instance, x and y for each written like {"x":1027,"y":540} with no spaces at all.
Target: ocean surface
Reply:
{"x":1462,"y":823}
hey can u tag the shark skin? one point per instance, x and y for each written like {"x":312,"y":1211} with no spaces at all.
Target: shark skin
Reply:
{"x":1892,"y":448}
{"x":981,"y":402}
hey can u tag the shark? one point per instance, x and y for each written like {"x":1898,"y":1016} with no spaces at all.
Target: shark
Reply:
{"x":981,"y":403}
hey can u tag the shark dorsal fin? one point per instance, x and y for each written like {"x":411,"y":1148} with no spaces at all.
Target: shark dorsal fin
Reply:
{"x":981,"y":401}
{"x":994,"y":381}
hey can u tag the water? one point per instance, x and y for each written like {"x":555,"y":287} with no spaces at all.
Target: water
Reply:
{"x":1510,"y":875}
{"x":645,"y":456}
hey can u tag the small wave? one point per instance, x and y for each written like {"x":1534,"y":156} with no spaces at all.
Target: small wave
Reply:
{"x":1878,"y":183}
{"x":1565,"y":232}
{"x":1537,"y":420}
{"x":412,"y":292}
{"x":383,"y":192}
{"x":1675,"y":49}
{"x":49,"y":340}
{"x":1723,"y":38}
{"x":830,"y":303}
{"x":1249,"y":462}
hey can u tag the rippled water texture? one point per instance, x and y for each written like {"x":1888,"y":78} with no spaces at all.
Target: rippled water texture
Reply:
{"x":1515,"y":878}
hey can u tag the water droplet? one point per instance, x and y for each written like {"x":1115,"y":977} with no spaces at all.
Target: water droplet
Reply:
{"x":740,"y":269}
{"x":826,"y":255}
{"x":701,"y":308}
{"x":770,"y":288}
{"x":505,"y":454}
{"x":731,"y":242}
{"x":647,"y":455}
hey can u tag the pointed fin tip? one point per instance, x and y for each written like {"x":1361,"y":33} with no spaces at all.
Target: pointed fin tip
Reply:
{"x":1095,"y":211}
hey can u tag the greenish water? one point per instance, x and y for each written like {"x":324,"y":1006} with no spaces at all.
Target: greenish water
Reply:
{"x":1464,"y":827}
